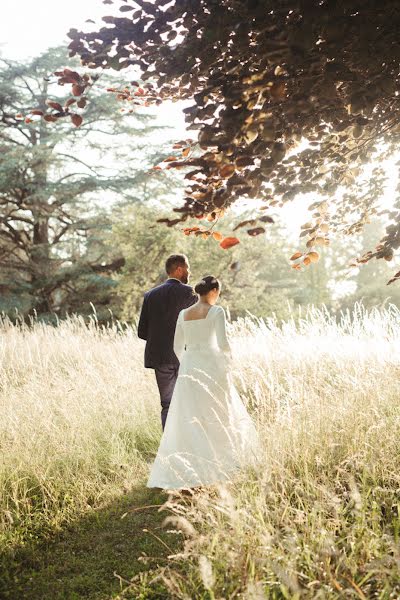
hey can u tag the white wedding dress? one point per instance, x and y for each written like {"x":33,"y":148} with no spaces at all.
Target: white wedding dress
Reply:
{"x":208,"y":434}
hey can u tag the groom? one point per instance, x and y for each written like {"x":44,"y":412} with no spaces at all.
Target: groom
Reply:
{"x":160,"y":310}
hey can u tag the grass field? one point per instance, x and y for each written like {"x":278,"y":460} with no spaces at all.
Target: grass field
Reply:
{"x":318,"y":518}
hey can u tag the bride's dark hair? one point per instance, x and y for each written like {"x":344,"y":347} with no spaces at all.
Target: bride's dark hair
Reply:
{"x":207,"y":284}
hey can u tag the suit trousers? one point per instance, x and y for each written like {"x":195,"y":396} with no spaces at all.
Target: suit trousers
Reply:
{"x":166,"y":376}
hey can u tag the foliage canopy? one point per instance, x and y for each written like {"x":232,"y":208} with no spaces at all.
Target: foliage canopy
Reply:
{"x":265,"y":76}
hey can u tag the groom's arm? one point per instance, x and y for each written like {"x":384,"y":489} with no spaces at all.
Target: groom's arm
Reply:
{"x":143,"y":324}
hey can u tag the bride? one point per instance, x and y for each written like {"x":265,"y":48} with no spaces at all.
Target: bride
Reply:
{"x":208,"y":434}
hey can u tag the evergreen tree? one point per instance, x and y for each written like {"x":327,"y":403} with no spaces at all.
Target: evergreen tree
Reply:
{"x":53,"y":179}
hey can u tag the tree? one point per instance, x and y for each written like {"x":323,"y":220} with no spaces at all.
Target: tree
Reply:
{"x":52,"y":184}
{"x":264,"y":77}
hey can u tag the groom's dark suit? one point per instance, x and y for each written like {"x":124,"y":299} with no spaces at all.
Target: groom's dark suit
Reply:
{"x":157,"y":322}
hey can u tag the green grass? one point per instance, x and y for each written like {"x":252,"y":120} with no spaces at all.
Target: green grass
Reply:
{"x":86,"y":559}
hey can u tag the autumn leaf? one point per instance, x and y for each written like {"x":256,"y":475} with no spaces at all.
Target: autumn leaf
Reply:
{"x":307,"y":260}
{"x":227,"y":171}
{"x":278,"y":90}
{"x":244,"y":223}
{"x":313,"y":256}
{"x":77,"y":120}
{"x":217,"y":236}
{"x":256,"y":231}
{"x":55,"y":105}
{"x":296,"y":255}
{"x":228,"y":242}
{"x":77,"y":90}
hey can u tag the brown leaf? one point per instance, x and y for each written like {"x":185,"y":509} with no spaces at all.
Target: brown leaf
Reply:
{"x":81,"y":102}
{"x":77,"y":90}
{"x":307,"y":260}
{"x":256,"y":231}
{"x":77,"y":120}
{"x":56,"y":105}
{"x":228,"y":242}
{"x":246,"y":222}
{"x":296,"y":255}
{"x":227,"y":171}
{"x":278,"y":90}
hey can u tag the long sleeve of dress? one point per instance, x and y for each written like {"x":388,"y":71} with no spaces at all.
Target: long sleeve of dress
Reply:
{"x":220,"y":328}
{"x":179,"y":339}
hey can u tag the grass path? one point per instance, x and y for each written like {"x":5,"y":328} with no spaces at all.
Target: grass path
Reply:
{"x":82,"y":560}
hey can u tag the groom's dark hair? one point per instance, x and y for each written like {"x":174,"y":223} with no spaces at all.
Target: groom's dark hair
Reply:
{"x":174,"y":261}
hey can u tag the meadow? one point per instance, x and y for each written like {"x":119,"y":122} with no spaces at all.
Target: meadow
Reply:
{"x":318,"y":517}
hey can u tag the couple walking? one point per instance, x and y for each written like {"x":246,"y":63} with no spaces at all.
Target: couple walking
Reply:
{"x":207,"y":433}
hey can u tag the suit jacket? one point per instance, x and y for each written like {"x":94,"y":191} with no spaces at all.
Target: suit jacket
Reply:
{"x":157,"y":322}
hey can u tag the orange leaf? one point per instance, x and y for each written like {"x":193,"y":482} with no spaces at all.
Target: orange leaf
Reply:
{"x":169,"y":159}
{"x":186,"y":152}
{"x":228,"y":242}
{"x":296,"y":255}
{"x":307,"y":260}
{"x":217,"y":236}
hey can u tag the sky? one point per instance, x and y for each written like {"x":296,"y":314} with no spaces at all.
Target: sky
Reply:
{"x":28,"y":27}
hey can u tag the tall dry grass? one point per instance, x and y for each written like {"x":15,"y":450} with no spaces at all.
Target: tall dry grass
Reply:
{"x":320,"y":515}
{"x":78,"y":421}
{"x":317,"y":518}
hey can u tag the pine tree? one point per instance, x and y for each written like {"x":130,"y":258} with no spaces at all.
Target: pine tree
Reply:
{"x":53,"y":178}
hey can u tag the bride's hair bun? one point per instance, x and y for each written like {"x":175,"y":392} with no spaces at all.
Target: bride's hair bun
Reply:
{"x":207,"y":284}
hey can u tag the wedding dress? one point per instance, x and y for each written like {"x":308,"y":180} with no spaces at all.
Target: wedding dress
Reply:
{"x":208,"y":434}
